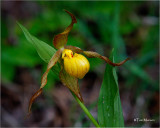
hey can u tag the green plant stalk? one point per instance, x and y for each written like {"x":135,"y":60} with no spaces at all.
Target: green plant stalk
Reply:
{"x":86,"y":110}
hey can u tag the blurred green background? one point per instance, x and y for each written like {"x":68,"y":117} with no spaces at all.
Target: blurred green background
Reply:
{"x":131,"y":28}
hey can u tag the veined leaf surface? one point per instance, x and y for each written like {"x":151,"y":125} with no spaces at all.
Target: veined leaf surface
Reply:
{"x":109,"y":105}
{"x":44,"y":50}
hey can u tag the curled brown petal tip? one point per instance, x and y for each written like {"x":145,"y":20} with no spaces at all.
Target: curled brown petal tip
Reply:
{"x":74,"y":20}
{"x":115,"y":64}
{"x":39,"y":92}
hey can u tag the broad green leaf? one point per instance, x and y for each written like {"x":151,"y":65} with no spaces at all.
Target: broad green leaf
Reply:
{"x":109,"y":104}
{"x":43,"y":49}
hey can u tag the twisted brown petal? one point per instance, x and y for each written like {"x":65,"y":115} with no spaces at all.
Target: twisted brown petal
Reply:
{"x":70,"y":82}
{"x":38,"y":93}
{"x":91,"y":54}
{"x":51,"y":63}
{"x":61,"y":39}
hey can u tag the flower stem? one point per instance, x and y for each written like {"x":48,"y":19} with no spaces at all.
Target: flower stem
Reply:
{"x":86,"y":110}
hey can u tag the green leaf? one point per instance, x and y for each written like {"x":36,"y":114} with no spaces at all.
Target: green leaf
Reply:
{"x":109,"y":104}
{"x":43,"y":49}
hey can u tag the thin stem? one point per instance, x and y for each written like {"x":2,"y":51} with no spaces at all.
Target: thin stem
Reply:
{"x":86,"y":110}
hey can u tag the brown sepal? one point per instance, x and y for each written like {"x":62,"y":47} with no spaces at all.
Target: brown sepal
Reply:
{"x":71,"y":83}
{"x":61,"y":39}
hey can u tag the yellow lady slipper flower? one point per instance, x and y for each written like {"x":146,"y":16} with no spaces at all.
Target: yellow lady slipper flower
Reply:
{"x":75,"y":65}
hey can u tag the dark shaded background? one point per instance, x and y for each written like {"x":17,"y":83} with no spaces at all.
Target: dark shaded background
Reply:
{"x":131,"y":28}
